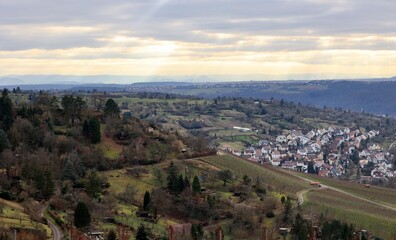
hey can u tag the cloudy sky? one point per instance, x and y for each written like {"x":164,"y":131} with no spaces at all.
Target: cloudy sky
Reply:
{"x":276,"y":38}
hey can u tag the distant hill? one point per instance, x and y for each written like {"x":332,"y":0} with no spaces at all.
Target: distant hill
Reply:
{"x":376,"y":97}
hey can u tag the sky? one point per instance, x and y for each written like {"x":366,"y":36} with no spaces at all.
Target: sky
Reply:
{"x":271,"y":39}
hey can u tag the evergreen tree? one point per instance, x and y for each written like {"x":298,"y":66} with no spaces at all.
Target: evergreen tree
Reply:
{"x":86,"y":129}
{"x":311,"y":168}
{"x":287,"y":205}
{"x":6,"y":110}
{"x":173,"y":182}
{"x":4,"y":143}
{"x":146,"y":201}
{"x":180,"y":184}
{"x":94,"y":129}
{"x":186,"y":182}
{"x":68,"y":171}
{"x":300,"y":228}
{"x":93,"y":184}
{"x":141,"y":233}
{"x":196,"y":185}
{"x":44,"y":184}
{"x":197,"y":231}
{"x":355,"y":157}
{"x":111,"y":108}
{"x":82,"y":216}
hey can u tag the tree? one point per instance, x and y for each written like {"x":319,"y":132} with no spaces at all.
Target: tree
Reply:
{"x":355,"y":157}
{"x":68,"y":171}
{"x":91,"y":130}
{"x":196,"y":185}
{"x":173,"y":181}
{"x":146,"y":201}
{"x":311,"y":168}
{"x":181,"y":183}
{"x":82,"y":216}
{"x":225,"y":176}
{"x":4,"y":143}
{"x":111,"y":235}
{"x":141,"y":233}
{"x":186,"y":182}
{"x":86,"y":129}
{"x":72,"y":107}
{"x":6,"y":110}
{"x":111,"y":108}
{"x":287,"y":205}
{"x":196,"y":231}
{"x":246,"y":180}
{"x":44,"y":184}
{"x":300,"y":228}
{"x":94,"y":130}
{"x":93,"y":184}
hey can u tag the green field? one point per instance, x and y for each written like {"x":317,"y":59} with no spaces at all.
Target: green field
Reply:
{"x":378,"y":194}
{"x":363,"y":215}
{"x":282,"y":182}
{"x":12,"y":215}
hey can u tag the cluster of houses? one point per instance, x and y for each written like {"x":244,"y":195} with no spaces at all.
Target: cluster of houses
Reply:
{"x":327,"y":152}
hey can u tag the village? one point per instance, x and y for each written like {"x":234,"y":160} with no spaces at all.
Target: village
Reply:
{"x":326,"y":152}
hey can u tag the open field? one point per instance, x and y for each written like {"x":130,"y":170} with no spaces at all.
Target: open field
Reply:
{"x":12,"y":215}
{"x":378,"y":194}
{"x":155,"y":100}
{"x":282,"y":182}
{"x":363,"y":215}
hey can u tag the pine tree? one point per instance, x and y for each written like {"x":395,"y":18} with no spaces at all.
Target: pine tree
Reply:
{"x":94,"y":129}
{"x":173,"y":185}
{"x":85,"y":129}
{"x":300,"y":228}
{"x":44,"y":183}
{"x":68,"y":171}
{"x":141,"y":233}
{"x":4,"y":143}
{"x":146,"y":201}
{"x":196,"y":185}
{"x":93,"y":184}
{"x":186,"y":182}
{"x":181,"y":184}
{"x":6,"y":110}
{"x":111,"y":108}
{"x":82,"y":216}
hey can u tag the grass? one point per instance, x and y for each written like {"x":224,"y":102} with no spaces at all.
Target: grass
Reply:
{"x":363,"y":215}
{"x":110,"y":148}
{"x":12,"y":215}
{"x":282,"y":182}
{"x":382,"y":195}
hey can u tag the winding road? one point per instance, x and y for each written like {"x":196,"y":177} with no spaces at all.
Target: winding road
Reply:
{"x":56,"y":231}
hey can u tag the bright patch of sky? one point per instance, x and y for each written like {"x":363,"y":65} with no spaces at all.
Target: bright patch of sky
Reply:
{"x":270,"y":39}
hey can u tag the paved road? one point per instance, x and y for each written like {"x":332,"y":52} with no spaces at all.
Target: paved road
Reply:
{"x":56,"y":231}
{"x":300,"y":195}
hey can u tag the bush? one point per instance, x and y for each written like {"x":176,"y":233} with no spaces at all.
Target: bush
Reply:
{"x":270,"y":214}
